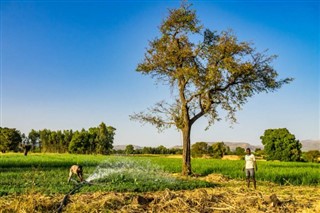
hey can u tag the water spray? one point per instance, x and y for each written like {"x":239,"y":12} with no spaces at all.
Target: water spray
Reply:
{"x":119,"y":169}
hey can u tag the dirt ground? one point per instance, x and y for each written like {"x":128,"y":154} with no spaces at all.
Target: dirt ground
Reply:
{"x":228,"y":196}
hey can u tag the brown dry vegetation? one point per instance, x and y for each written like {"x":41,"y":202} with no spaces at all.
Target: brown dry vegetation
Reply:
{"x":231,"y":157}
{"x":228,"y":196}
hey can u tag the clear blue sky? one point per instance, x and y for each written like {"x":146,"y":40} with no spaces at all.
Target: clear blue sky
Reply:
{"x":71,"y":65}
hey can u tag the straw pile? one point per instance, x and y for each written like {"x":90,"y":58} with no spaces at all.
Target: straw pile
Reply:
{"x":229,"y":196}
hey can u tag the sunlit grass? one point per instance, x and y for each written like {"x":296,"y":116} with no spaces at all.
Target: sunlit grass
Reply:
{"x":48,"y":173}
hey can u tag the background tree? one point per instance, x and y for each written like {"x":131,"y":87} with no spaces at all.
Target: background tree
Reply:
{"x":68,"y":134}
{"x":199,"y":149}
{"x":239,"y":151}
{"x":102,"y":138}
{"x":96,"y":140}
{"x":147,"y":150}
{"x":44,"y":140}
{"x":227,"y":150}
{"x":110,"y":137}
{"x":219,"y":150}
{"x":259,"y":152}
{"x":312,"y":156}
{"x":280,"y":144}
{"x":129,"y":149}
{"x":162,"y":150}
{"x":10,"y":138}
{"x":80,"y":143}
{"x":34,"y":138}
{"x":102,"y":142}
{"x":218,"y":72}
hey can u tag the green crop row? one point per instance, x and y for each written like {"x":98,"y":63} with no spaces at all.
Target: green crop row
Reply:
{"x":48,"y":173}
{"x":293,"y":173}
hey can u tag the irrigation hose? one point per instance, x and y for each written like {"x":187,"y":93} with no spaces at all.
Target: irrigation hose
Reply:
{"x":64,"y":201}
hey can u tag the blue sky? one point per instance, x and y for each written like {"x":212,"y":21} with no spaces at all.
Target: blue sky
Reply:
{"x":71,"y":65}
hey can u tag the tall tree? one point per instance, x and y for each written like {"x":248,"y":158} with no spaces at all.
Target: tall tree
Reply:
{"x":217,"y":72}
{"x":44,"y":140}
{"x":280,"y":144}
{"x":34,"y":137}
{"x":103,"y":138}
{"x":80,"y":143}
{"x":68,"y":134}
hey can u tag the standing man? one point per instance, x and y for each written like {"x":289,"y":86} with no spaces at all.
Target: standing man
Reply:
{"x":250,"y":167}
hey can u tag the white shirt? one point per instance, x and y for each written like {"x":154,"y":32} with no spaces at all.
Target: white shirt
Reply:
{"x":250,"y":159}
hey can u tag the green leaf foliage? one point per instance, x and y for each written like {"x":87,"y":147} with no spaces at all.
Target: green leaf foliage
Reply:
{"x":217,"y":70}
{"x":206,"y":70}
{"x":280,"y":144}
{"x":10,"y":139}
{"x":219,"y":149}
{"x":199,"y":149}
{"x":312,"y":156}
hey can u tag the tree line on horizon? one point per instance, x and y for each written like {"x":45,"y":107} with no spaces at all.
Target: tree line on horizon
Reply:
{"x":198,"y":150}
{"x":279,"y":144}
{"x":95,"y":140}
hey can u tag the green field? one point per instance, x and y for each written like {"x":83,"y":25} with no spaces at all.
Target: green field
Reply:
{"x":48,"y":173}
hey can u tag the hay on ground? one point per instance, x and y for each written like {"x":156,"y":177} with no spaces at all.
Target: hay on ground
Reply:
{"x":229,"y":196}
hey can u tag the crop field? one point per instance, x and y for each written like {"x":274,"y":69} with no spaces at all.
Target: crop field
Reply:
{"x":38,"y":182}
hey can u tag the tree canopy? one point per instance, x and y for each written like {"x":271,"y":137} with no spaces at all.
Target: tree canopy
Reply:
{"x":280,"y":144}
{"x":199,"y":149}
{"x":219,"y":149}
{"x":216,"y":72}
{"x":10,"y":138}
{"x":312,"y":156}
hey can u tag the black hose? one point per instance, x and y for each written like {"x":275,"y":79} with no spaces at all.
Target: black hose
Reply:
{"x":65,"y":199}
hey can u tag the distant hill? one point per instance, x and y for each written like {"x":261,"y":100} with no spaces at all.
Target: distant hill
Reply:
{"x":308,"y":145}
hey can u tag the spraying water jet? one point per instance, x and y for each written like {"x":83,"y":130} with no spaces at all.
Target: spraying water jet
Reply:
{"x":122,"y":171}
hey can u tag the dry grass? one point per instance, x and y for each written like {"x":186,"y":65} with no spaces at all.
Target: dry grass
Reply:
{"x":229,"y":196}
{"x":231,"y":157}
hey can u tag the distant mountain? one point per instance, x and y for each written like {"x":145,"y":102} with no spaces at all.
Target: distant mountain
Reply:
{"x":308,"y":145}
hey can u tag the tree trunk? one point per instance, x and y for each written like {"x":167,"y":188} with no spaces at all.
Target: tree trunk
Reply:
{"x":186,"y":160}
{"x":186,"y":129}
